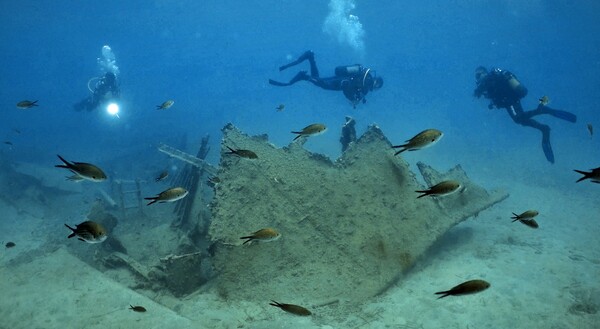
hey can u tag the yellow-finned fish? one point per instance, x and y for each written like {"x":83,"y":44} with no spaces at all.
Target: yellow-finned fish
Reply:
{"x":440,"y":189}
{"x":88,"y":231}
{"x":23,"y":105}
{"x":165,"y":105}
{"x":264,"y":235}
{"x":84,"y":170}
{"x":422,"y":140}
{"x":593,"y":175}
{"x":465,"y":288}
{"x":171,"y":195}
{"x":544,"y":100}
{"x":291,"y":308}
{"x":242,"y":153}
{"x":310,"y":130}
{"x":529,"y":214}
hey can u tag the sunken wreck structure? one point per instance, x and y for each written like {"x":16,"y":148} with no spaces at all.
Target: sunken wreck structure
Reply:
{"x":350,"y":228}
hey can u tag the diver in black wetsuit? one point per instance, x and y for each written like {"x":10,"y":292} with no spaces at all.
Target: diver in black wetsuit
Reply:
{"x":355,"y":81}
{"x":106,"y":89}
{"x":504,"y":90}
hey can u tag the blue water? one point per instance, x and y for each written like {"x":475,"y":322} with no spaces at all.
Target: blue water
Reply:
{"x":214,"y":59}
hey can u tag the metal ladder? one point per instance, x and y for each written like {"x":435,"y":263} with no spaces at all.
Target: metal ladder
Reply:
{"x":130,"y":195}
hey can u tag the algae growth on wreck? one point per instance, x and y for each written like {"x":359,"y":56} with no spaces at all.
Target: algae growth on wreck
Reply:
{"x":353,"y":225}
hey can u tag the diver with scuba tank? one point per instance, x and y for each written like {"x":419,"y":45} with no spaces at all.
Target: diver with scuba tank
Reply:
{"x":355,"y":81}
{"x":504,"y":90}
{"x":105,"y":87}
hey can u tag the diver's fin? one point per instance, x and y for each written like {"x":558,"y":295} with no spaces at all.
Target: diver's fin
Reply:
{"x":567,"y":116}
{"x":548,"y":150}
{"x":277,"y":83}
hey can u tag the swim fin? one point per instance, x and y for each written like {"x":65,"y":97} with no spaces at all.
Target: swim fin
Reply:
{"x":548,"y":150}
{"x":567,"y":116}
{"x":277,"y":83}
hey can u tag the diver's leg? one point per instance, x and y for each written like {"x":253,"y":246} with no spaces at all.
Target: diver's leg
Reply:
{"x":308,"y":55}
{"x":314,"y":71}
{"x":80,"y":106}
{"x":526,"y":120}
{"x":299,"y":77}
{"x":84,"y":104}
{"x":546,"y":146}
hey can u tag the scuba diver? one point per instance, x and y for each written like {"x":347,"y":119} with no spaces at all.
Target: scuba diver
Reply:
{"x":504,"y":90}
{"x":355,"y":81}
{"x":106,"y":87}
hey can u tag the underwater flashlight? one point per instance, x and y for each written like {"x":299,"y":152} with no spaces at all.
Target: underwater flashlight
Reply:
{"x":113,"y":109}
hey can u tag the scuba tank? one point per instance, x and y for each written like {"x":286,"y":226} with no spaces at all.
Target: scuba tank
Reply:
{"x":344,"y":71}
{"x":513,"y":82}
{"x":515,"y":85}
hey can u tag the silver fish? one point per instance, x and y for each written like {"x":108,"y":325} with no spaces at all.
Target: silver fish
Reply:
{"x":422,"y":140}
{"x":310,"y":130}
{"x":23,"y":105}
{"x":264,"y":235}
{"x":529,"y":214}
{"x":440,"y":189}
{"x":84,"y":170}
{"x":88,"y":231}
{"x":165,"y":105}
{"x":171,"y":195}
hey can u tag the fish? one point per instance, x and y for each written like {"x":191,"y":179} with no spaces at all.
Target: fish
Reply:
{"x":263,"y":235}
{"x":10,"y":244}
{"x":544,"y":100}
{"x":280,"y":107}
{"x":291,"y":308}
{"x":441,"y":189}
{"x":590,"y":129}
{"x":422,"y":140}
{"x":525,"y":215}
{"x":170,"y":195}
{"x":529,"y":222}
{"x":17,"y":131}
{"x":213,"y":181}
{"x":242,"y":153}
{"x":310,"y":130}
{"x":23,"y":105}
{"x":593,"y":175}
{"x":84,"y":170}
{"x":8,"y":143}
{"x":465,"y":288}
{"x":88,"y":231}
{"x":162,"y":176}
{"x":140,"y":309}
{"x":165,"y":105}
